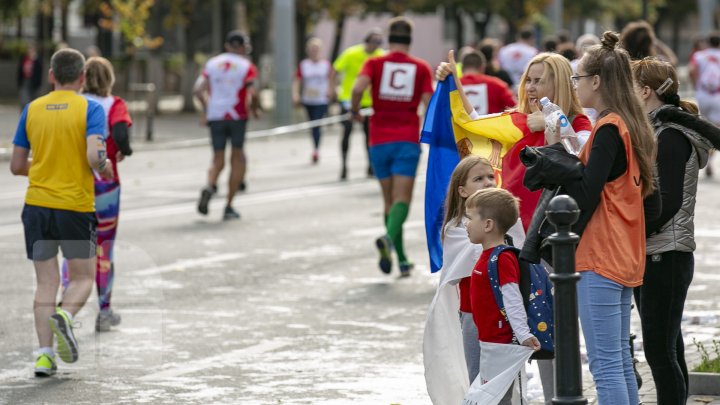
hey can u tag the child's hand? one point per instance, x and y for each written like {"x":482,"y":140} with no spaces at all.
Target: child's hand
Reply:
{"x":532,"y":343}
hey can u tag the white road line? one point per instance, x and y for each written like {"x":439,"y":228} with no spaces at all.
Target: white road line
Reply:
{"x":187,"y":264}
{"x":226,"y":359}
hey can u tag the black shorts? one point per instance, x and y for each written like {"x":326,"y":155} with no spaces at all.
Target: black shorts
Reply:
{"x":46,"y":229}
{"x":220,"y":131}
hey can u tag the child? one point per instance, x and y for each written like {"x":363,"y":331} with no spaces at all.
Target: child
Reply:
{"x":473,"y":173}
{"x":491,"y":213}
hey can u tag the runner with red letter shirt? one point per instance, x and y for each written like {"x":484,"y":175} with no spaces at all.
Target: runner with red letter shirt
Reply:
{"x":487,"y":94}
{"x":399,"y":83}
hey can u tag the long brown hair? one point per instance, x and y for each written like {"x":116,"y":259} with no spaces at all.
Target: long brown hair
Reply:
{"x":99,"y":76}
{"x":653,"y":73}
{"x":454,"y":202}
{"x":557,"y":70}
{"x":612,"y":64}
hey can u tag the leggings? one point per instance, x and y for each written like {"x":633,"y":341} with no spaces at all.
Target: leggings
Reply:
{"x":347,"y":129}
{"x":107,"y":206}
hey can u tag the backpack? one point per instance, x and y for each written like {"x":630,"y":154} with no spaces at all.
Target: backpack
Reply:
{"x":709,"y":79}
{"x":536,"y":290}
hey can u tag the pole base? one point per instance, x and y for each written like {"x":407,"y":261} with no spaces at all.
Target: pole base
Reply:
{"x":570,"y":401}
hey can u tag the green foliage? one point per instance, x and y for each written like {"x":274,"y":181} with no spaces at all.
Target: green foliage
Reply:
{"x":708,"y":364}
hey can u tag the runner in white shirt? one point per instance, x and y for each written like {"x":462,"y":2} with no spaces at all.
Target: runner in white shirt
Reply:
{"x":312,"y":89}
{"x":514,"y":57}
{"x":705,"y":75}
{"x":226,"y":90}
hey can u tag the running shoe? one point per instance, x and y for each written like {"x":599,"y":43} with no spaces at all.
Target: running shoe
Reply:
{"x":106,"y":319}
{"x":370,"y":172}
{"x":242,"y":187}
{"x":315,"y":156}
{"x":343,"y":173}
{"x":62,"y":327}
{"x":45,"y":366}
{"x":205,"y":196}
{"x":384,"y":247}
{"x":230,"y":213}
{"x":406,"y":268}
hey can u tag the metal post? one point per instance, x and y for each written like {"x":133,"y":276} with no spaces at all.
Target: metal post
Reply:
{"x":563,"y":212}
{"x":283,"y":58}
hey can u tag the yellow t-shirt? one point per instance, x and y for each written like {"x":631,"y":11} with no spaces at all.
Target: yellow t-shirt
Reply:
{"x":55,"y":128}
{"x":349,"y":64}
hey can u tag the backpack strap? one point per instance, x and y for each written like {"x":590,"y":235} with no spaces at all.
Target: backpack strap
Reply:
{"x":494,"y":278}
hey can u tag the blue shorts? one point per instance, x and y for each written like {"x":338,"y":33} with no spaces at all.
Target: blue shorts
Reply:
{"x":395,"y":159}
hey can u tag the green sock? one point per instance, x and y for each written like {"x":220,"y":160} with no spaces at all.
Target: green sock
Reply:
{"x":396,"y":218}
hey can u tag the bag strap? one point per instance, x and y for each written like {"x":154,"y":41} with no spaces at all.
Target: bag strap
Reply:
{"x":494,"y":278}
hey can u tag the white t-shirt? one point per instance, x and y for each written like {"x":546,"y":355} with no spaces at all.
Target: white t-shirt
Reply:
{"x":228,"y":76}
{"x":315,"y":78}
{"x":514,"y":58}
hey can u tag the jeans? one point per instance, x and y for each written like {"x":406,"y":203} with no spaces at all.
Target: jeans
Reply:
{"x":315,"y":112}
{"x":604,"y":308}
{"x":662,"y":300}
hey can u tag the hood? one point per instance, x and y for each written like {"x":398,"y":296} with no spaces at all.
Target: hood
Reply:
{"x":703,"y":135}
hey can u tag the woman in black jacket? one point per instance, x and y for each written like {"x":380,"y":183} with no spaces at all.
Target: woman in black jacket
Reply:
{"x":683,"y":143}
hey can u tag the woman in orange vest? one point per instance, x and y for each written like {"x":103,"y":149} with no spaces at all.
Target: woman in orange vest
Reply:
{"x":617,"y":177}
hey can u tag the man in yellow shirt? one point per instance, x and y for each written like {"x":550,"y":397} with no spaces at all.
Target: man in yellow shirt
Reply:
{"x":348,"y":64}
{"x":65,"y":132}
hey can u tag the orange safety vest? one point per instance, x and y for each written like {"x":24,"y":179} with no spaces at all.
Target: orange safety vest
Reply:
{"x":613,"y":243}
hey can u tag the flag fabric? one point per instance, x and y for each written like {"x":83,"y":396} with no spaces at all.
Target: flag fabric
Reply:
{"x":437,"y":132}
{"x":500,"y":366}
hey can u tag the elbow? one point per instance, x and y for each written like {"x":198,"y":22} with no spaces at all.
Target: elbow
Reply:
{"x":16,"y":171}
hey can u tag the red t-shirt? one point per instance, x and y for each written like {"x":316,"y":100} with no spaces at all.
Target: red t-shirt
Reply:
{"x":487,"y":94}
{"x":398,"y":82}
{"x":513,"y":170}
{"x":491,"y":324}
{"x":118,"y":113}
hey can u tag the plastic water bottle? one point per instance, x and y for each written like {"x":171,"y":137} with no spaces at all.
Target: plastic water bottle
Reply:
{"x":553,"y":113}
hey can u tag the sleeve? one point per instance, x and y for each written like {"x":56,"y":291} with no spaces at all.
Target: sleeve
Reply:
{"x":673,"y":152}
{"x":21,"y":138}
{"x":606,"y":148}
{"x":340,"y":62}
{"x":583,"y":128}
{"x":119,"y":113}
{"x":252,"y":74}
{"x":474,"y":115}
{"x":95,"y":120}
{"x":508,"y":268}
{"x":515,"y":311}
{"x":298,"y":72}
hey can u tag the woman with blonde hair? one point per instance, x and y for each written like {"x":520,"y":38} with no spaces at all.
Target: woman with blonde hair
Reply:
{"x":683,"y":144}
{"x":618,"y":175}
{"x":99,"y":80}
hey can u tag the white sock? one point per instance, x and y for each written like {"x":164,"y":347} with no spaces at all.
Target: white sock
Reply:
{"x":46,"y":350}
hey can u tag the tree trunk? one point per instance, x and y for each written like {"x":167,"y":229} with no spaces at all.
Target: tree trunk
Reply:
{"x":481,"y":25}
{"x":339,"y":26}
{"x":19,"y":27}
{"x":64,"y":5}
{"x":190,"y":71}
{"x":459,"y":27}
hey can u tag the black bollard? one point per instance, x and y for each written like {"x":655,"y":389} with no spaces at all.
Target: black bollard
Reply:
{"x":563,"y":212}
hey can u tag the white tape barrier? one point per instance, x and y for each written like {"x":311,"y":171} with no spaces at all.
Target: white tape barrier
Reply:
{"x":263,"y":133}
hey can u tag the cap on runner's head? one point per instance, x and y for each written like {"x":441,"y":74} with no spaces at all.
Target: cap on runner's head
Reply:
{"x":236,"y":38}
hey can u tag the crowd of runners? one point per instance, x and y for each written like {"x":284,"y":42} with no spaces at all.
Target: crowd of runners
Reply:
{"x":642,"y":150}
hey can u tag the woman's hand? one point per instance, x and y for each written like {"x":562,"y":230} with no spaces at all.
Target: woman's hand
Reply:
{"x":446,"y":68}
{"x":536,"y":119}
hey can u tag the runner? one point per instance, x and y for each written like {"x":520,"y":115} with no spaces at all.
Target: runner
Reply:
{"x":705,"y":74}
{"x":65,"y":132}
{"x":487,"y":95}
{"x":399,"y":83}
{"x":226,"y":90}
{"x":312,"y":89}
{"x":348,"y":64}
{"x":515,"y":57}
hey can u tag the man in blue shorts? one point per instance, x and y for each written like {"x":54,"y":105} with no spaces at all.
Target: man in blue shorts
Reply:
{"x":399,"y":83}
{"x":65,"y":133}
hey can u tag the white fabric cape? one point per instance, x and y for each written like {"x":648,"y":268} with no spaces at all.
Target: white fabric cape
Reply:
{"x":446,"y":374}
{"x":500,"y":365}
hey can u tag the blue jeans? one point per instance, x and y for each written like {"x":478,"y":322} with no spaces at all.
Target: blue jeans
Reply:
{"x":604,"y":308}
{"x":315,"y":112}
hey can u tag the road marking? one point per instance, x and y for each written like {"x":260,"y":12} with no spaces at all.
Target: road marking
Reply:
{"x":188,"y":264}
{"x":226,"y":359}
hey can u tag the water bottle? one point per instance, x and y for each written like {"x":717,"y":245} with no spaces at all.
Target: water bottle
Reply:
{"x":553,"y":114}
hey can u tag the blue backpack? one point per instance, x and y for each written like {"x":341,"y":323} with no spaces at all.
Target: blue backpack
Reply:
{"x":536,"y":291}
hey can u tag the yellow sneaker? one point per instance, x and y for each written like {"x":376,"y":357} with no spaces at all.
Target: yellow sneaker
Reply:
{"x":45,"y":366}
{"x":62,"y":327}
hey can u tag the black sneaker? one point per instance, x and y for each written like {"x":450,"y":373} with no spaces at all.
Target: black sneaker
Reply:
{"x":343,"y":173}
{"x":205,"y":196}
{"x":370,"y":172}
{"x":406,"y":268}
{"x":230,"y":213}
{"x":242,"y":187}
{"x":384,"y":247}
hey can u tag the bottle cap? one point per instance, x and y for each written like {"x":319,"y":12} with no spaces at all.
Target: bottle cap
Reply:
{"x":544,"y":101}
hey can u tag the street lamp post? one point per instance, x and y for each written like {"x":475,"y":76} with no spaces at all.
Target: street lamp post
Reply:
{"x":563,"y":212}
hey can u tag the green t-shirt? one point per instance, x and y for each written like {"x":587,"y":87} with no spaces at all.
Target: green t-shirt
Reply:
{"x":349,"y":64}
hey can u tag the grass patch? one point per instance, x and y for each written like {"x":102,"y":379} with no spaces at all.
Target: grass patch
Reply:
{"x":708,"y":364}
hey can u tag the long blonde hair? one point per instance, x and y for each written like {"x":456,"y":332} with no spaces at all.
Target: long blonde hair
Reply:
{"x":557,"y":70}
{"x":653,"y":72}
{"x":612,"y":64}
{"x":454,"y":202}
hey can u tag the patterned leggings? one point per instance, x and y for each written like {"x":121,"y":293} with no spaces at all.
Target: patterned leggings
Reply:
{"x":107,"y":206}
